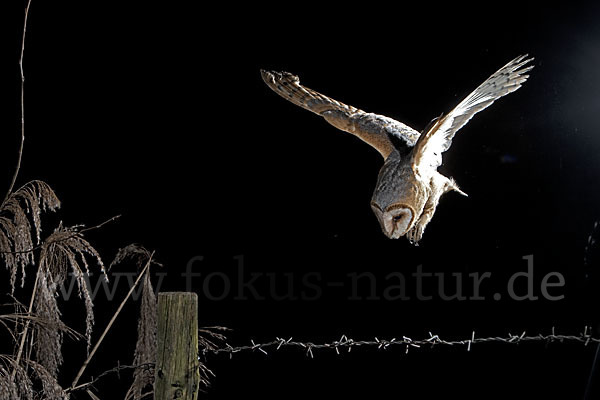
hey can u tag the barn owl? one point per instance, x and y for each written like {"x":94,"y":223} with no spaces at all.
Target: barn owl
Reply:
{"x":409,"y":186}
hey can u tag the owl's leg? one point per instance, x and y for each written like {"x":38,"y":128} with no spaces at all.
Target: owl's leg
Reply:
{"x":439,"y":185}
{"x":416,"y":233}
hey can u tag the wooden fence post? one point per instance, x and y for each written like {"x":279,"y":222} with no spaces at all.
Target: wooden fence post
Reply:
{"x":176,"y":373}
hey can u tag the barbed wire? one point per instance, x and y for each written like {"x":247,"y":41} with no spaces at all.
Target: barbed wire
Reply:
{"x":115,"y":370}
{"x":346,"y":343}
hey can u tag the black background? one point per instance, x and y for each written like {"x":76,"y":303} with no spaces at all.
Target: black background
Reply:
{"x":157,"y":112}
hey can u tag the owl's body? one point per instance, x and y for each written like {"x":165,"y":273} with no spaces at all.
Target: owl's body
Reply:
{"x":403,"y":201}
{"x":409,"y":186}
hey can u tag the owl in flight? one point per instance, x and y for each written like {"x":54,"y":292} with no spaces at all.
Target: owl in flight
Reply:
{"x":409,"y":186}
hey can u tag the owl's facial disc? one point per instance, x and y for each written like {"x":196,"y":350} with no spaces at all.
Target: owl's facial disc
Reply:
{"x":395,"y":220}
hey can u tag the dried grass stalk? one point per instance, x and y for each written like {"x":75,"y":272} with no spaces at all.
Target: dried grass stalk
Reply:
{"x":110,"y":323}
{"x":16,"y":382}
{"x":19,"y":319}
{"x":51,"y":390}
{"x":145,"y":347}
{"x":209,"y":338}
{"x":16,"y":242}
{"x":48,"y":339}
{"x":64,"y":250}
{"x":135,"y":252}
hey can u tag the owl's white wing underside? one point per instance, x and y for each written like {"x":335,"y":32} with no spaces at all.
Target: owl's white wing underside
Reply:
{"x":383,"y":133}
{"x":438,"y":137}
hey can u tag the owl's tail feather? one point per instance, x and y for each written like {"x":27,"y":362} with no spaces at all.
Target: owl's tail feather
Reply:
{"x":452,"y":185}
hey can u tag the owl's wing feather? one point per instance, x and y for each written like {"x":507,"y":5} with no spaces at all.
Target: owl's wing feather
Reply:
{"x":437,"y":138}
{"x":383,"y":133}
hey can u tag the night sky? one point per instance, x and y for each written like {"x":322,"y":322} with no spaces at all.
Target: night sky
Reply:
{"x":157,"y":112}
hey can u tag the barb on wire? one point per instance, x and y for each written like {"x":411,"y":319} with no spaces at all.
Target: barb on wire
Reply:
{"x":347,"y":344}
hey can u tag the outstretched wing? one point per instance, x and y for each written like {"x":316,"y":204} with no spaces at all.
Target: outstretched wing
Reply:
{"x":383,"y":133}
{"x":437,"y":138}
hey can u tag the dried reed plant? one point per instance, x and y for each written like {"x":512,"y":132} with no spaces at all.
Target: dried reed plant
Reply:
{"x":28,"y":379}
{"x":209,"y":338}
{"x":37,"y":331}
{"x":145,"y":347}
{"x":16,"y":240}
{"x":64,"y":250}
{"x":142,"y":273}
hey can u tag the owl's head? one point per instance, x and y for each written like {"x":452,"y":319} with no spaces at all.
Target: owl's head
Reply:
{"x":398,"y":198}
{"x":395,"y":220}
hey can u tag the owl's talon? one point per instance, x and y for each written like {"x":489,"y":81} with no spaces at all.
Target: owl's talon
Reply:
{"x":415,"y":235}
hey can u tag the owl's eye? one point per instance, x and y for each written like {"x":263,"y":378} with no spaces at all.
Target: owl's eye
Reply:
{"x":398,"y":217}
